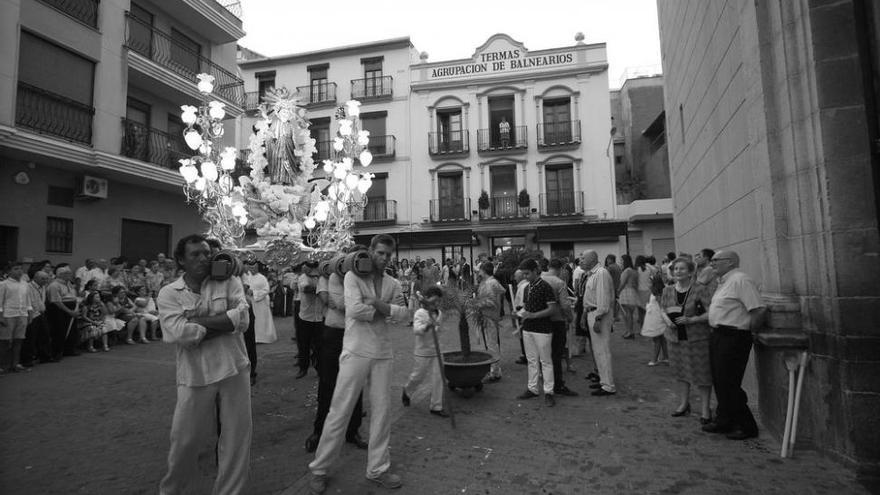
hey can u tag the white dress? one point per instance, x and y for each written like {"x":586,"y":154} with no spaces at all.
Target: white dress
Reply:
{"x":264,"y":327}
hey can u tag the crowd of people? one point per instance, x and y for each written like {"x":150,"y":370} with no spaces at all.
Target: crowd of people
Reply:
{"x":560,"y":309}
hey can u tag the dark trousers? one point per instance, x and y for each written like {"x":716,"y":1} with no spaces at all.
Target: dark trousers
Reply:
{"x":729,"y":354}
{"x":250,"y":343}
{"x":38,"y":342}
{"x":557,"y":352}
{"x":296,"y":319}
{"x":328,"y":369}
{"x":308,"y":340}
{"x":62,"y":341}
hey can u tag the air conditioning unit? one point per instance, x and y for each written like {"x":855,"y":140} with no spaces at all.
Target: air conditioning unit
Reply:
{"x":91,"y":187}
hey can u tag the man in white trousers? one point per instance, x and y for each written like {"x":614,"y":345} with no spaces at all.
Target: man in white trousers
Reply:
{"x":599,"y":315}
{"x":366,"y":352}
{"x":205,"y":319}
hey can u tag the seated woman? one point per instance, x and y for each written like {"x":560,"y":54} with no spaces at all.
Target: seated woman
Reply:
{"x":123,"y":309}
{"x":91,"y":321}
{"x":685,"y":308}
{"x":145,"y":308}
{"x":115,"y":278}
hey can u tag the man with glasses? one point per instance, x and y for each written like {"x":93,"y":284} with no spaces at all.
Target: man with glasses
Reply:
{"x":735,"y":312}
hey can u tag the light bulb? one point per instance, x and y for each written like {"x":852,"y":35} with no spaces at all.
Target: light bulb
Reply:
{"x":215,"y":110}
{"x":209,"y":170}
{"x":366,"y":158}
{"x":206,"y":83}
{"x":193,"y":139}
{"x":188,"y":116}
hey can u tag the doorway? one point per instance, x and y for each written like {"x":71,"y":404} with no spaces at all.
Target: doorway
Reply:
{"x":451,"y":196}
{"x":144,"y":240}
{"x":8,"y":244}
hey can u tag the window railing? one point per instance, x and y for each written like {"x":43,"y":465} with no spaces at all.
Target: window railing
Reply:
{"x":382,"y":146}
{"x":562,"y":203}
{"x":180,"y":59}
{"x":85,"y":11}
{"x":152,"y":145}
{"x":251,"y":100}
{"x":447,"y":143}
{"x":559,"y":133}
{"x":318,"y":93}
{"x":450,"y":210}
{"x":495,"y":140}
{"x":233,"y":6}
{"x":323,"y":151}
{"x":371,"y":87}
{"x":377,"y":210}
{"x":504,"y":207}
{"x":49,"y":113}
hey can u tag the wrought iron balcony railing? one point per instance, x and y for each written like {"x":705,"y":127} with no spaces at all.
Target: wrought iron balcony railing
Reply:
{"x":376,"y":210}
{"x":318,"y":93}
{"x":504,"y":207}
{"x":85,"y":11}
{"x":152,"y":145}
{"x":382,"y":146}
{"x":450,"y":210}
{"x":562,"y":203}
{"x":372,"y":87}
{"x":494,"y":140}
{"x":49,"y":113}
{"x":180,"y":59}
{"x":233,"y":6}
{"x":559,"y":133}
{"x":251,"y":101}
{"x":448,"y":143}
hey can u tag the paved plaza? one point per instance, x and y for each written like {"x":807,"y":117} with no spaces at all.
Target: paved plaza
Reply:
{"x":99,"y":424}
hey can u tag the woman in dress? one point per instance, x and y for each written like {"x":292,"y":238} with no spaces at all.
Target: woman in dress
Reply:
{"x":628,"y":296}
{"x":685,"y":307}
{"x":91,"y":321}
{"x":258,"y":295}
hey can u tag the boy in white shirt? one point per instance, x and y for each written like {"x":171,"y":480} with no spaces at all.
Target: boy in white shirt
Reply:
{"x":425,"y":323}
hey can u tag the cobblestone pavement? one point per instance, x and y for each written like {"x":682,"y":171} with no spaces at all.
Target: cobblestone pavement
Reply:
{"x":99,"y":423}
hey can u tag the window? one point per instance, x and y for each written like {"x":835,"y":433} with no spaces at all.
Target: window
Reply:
{"x":502,"y":202}
{"x":185,"y":52}
{"x":143,"y":240}
{"x":318,"y":83}
{"x":560,"y":197}
{"x":557,"y":121}
{"x":265,"y":81}
{"x":375,"y":123}
{"x":59,"y":235}
{"x":451,"y":196}
{"x":501,"y":117}
{"x":373,"y":76}
{"x":136,"y":137}
{"x":176,"y":146}
{"x":377,"y":206}
{"x":140,"y":31}
{"x":60,"y":196}
{"x":320,"y":131}
{"x":449,"y":130}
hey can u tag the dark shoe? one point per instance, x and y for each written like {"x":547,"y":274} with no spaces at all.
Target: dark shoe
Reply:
{"x":741,"y":434}
{"x":565,"y":391}
{"x":440,"y":412}
{"x":593,"y":377}
{"x":318,"y":484}
{"x":387,"y":480}
{"x":683,"y":412}
{"x":595,"y":386}
{"x":357,"y":441}
{"x":602,"y":392}
{"x":522,"y":360}
{"x":706,"y":421}
{"x":631,"y":336}
{"x":404,"y":398}
{"x":549,"y":401}
{"x":528,"y":394}
{"x":312,"y":442}
{"x":253,"y":379}
{"x":715,"y":428}
{"x":301,"y":374}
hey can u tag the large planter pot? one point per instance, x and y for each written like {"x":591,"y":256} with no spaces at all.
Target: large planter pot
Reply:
{"x":467,"y":375}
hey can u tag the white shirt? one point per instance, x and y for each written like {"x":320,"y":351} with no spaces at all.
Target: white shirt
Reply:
{"x":599,"y":291}
{"x":15,"y":298}
{"x":366,"y":331}
{"x":735,"y":296}
{"x":423,"y":328}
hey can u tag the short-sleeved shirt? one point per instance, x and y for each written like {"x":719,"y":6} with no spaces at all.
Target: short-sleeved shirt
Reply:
{"x":492,"y":289}
{"x":311,"y":306}
{"x":561,"y":292}
{"x":538,"y":295}
{"x":335,"y":292}
{"x":60,"y":291}
{"x":735,"y":297}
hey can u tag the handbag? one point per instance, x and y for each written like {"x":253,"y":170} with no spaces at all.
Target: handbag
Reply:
{"x":653,"y":325}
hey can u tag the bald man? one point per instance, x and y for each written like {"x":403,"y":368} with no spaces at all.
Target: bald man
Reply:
{"x":599,"y":317}
{"x":735,"y":312}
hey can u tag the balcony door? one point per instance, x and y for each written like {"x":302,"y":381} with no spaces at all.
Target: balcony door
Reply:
{"x":501,"y":126}
{"x":557,"y":121}
{"x":140,"y":32}
{"x":377,"y":205}
{"x":560,"y":190}
{"x":136,"y":141}
{"x":320,"y":131}
{"x":176,"y":146}
{"x":318,"y":84}
{"x":451,"y":195}
{"x":502,"y":201}
{"x":375,"y":123}
{"x":185,"y":53}
{"x":449,"y":130}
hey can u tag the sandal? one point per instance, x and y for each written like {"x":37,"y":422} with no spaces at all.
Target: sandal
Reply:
{"x":129,"y":342}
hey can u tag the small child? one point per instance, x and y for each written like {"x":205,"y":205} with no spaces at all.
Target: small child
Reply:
{"x":425,"y":323}
{"x":91,"y":321}
{"x":145,"y":307}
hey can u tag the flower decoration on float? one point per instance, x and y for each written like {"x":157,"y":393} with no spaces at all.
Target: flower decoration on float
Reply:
{"x":294,"y":214}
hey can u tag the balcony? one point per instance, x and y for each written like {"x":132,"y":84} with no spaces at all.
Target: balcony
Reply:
{"x":377,"y":212}
{"x":503,"y":208}
{"x":562,"y":204}
{"x":323,"y":151}
{"x":491,"y":140}
{"x":85,"y":11}
{"x":177,"y":58}
{"x":152,"y":145}
{"x":318,"y":94}
{"x":382,"y":147}
{"x":450,"y":210}
{"x":251,"y":101}
{"x":48,"y":113}
{"x":372,"y":88}
{"x":443,"y":144}
{"x":231,"y":6}
{"x":559,"y":134}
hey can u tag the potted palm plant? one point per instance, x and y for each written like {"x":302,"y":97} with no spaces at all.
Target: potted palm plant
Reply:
{"x":466,"y":368}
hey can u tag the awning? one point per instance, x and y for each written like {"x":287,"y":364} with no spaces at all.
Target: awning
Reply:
{"x":425,"y":239}
{"x":581,"y":232}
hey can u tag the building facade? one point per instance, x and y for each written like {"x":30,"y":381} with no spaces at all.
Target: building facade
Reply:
{"x":772,"y":128}
{"x":641,"y":165}
{"x":526,"y":131}
{"x":90,"y":135}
